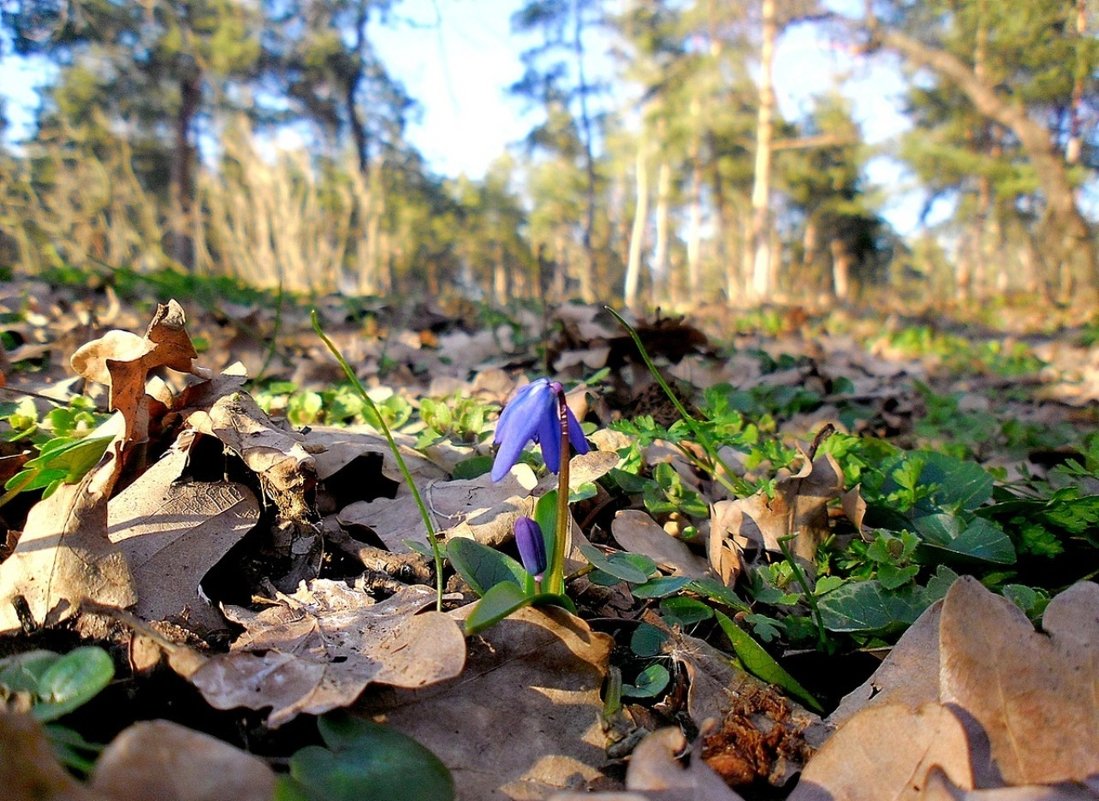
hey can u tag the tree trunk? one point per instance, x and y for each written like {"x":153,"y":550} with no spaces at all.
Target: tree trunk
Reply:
{"x":761,"y":186}
{"x":637,"y":234}
{"x":183,"y":165}
{"x":694,"y":230}
{"x":587,"y":273}
{"x":1075,"y":145}
{"x":661,"y":283}
{"x":841,"y":268}
{"x":1069,"y":240}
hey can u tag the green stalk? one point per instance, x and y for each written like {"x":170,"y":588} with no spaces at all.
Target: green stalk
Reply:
{"x":555,"y":580}
{"x":725,"y":475}
{"x":354,"y":379}
{"x":811,"y":599}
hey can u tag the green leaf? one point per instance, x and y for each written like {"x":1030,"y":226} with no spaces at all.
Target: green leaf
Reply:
{"x":23,"y":672}
{"x":619,"y":568}
{"x":483,"y":567}
{"x":892,"y":577}
{"x":650,"y":682}
{"x":72,"y":681}
{"x":683,"y":611}
{"x":716,"y":591}
{"x":961,"y":484}
{"x":366,"y":761}
{"x":660,"y":587}
{"x":867,"y":607}
{"x":981,"y":539}
{"x":496,"y":604}
{"x":647,"y":640}
{"x":473,"y":467}
{"x":759,"y":663}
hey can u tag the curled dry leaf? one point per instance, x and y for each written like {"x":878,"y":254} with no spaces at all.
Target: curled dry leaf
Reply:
{"x":885,"y":752}
{"x":173,"y":532}
{"x":637,"y":532}
{"x":285,"y":469}
{"x":122,"y":360}
{"x":522,"y":721}
{"x":163,"y":760}
{"x":317,"y":649}
{"x":63,"y":555}
{"x":1035,"y":694}
{"x":798,"y":507}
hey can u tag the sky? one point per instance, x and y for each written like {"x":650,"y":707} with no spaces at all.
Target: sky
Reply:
{"x":457,"y":57}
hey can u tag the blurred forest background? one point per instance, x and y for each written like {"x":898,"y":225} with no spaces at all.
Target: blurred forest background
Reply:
{"x":676,"y":181}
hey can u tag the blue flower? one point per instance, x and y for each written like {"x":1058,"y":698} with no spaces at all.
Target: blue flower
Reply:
{"x":532,"y":546}
{"x":531,"y":416}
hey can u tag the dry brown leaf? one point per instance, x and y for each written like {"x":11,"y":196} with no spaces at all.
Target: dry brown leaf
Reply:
{"x":478,"y":508}
{"x":1036,"y":694}
{"x":637,"y":532}
{"x":162,"y":760}
{"x":286,"y":470}
{"x":798,"y":506}
{"x":173,"y":532}
{"x":122,"y":360}
{"x":909,"y":675}
{"x":764,"y":733}
{"x":722,"y":553}
{"x":654,"y":766}
{"x":885,"y":752}
{"x":526,"y":709}
{"x":63,"y":555}
{"x":317,"y":649}
{"x":938,"y":787}
{"x":333,"y":449}
{"x":29,"y":770}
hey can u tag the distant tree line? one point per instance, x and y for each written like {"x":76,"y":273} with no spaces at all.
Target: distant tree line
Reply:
{"x":671,"y":179}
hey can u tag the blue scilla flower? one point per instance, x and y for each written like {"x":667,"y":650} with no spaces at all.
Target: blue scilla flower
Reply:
{"x":531,"y":416}
{"x":532,"y":546}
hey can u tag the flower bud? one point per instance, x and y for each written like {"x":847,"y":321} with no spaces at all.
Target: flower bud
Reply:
{"x":532,"y":546}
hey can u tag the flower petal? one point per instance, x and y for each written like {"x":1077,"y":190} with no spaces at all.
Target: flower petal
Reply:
{"x":519,"y":424}
{"x":517,"y":413}
{"x":549,"y":437}
{"x":576,"y":434}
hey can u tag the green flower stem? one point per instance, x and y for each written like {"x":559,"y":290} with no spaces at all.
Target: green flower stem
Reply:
{"x":431,"y":535}
{"x":725,"y":475}
{"x":555,"y":579}
{"x":810,"y":597}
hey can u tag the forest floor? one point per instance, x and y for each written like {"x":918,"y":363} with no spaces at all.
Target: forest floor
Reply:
{"x":862,"y":566}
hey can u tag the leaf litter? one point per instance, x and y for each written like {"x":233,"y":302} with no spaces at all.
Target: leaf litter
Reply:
{"x":162,"y":528}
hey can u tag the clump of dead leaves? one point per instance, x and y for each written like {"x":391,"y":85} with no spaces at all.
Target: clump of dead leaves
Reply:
{"x":972,"y":703}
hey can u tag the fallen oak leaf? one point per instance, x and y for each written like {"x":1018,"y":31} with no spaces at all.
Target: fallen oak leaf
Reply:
{"x":285,"y":468}
{"x":1016,"y":681}
{"x":122,"y":360}
{"x":885,"y":752}
{"x":542,"y":666}
{"x":173,"y":532}
{"x":163,"y":760}
{"x":319,"y":648}
{"x":63,"y":555}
